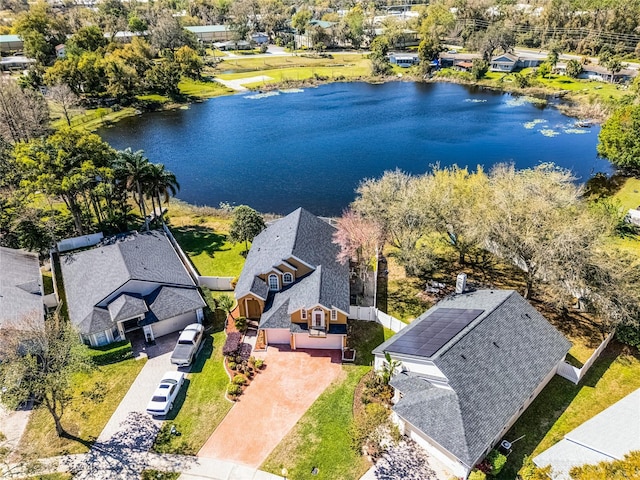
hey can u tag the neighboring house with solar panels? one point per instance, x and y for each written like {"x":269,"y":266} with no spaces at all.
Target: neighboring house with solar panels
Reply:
{"x":21,"y":290}
{"x":470,"y":366}
{"x":293,"y":284}
{"x":128,"y":284}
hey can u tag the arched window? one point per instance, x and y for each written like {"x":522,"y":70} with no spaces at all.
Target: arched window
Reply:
{"x":273,"y":282}
{"x":287,"y":278}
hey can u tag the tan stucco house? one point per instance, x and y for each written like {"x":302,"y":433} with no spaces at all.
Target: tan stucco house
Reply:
{"x":294,"y":286}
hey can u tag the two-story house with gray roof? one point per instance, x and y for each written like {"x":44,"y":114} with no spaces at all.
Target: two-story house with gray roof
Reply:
{"x":293,"y":284}
{"x":21,"y":290}
{"x":470,"y":366}
{"x":128,"y":283}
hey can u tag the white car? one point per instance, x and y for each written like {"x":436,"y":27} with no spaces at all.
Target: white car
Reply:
{"x":162,"y":401}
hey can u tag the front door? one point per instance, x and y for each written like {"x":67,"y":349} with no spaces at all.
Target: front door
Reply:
{"x":253,"y":309}
{"x":318,"y":319}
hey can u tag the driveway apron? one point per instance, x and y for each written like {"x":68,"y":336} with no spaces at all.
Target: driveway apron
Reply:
{"x":272,"y":404}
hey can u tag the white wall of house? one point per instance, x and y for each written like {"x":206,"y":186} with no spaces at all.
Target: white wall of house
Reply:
{"x":174,"y":324}
{"x":278,"y":336}
{"x":330,"y":342}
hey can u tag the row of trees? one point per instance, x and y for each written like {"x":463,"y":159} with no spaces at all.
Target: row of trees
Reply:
{"x":536,"y":219}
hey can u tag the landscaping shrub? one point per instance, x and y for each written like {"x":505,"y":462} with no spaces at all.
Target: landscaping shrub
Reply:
{"x":232,"y":343}
{"x":232,"y":365}
{"x":629,"y":335}
{"x":112,"y":353}
{"x":477,"y":475}
{"x":530,"y":471}
{"x":364,"y":426}
{"x":158,"y":475}
{"x":259,"y":364}
{"x":241,"y":324}
{"x":239,"y":380}
{"x":234,"y":390}
{"x":497,"y":461}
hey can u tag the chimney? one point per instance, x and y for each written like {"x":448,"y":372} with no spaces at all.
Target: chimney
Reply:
{"x":461,"y":283}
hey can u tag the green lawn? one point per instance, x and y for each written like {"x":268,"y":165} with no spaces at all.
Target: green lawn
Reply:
{"x":202,"y":88}
{"x":201,"y":405}
{"x":47,"y":282}
{"x":96,"y":118}
{"x":320,"y":438}
{"x":629,"y":194}
{"x":562,"y":406}
{"x":209,"y":250}
{"x":403,"y":301}
{"x":95,"y":397}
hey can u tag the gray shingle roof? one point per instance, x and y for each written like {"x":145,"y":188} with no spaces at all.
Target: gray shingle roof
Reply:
{"x":168,"y":302}
{"x":126,"y":306}
{"x":20,"y":287}
{"x":91,"y":276}
{"x":492,"y":367}
{"x":310,"y":239}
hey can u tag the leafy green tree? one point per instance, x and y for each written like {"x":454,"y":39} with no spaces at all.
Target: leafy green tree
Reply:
{"x":544,"y":69}
{"x":122,"y":79}
{"x":137,"y":24}
{"x":246,"y":224}
{"x":190,"y":62}
{"x":574,"y":68}
{"x":428,"y":50}
{"x":354,"y":20}
{"x":479,"y":68}
{"x":619,"y":140}
{"x":300,"y":20}
{"x":40,"y":362}
{"x":164,"y":77}
{"x":628,"y":467}
{"x":87,"y":39}
{"x":378,"y":56}
{"x":67,"y":164}
{"x":41,"y":30}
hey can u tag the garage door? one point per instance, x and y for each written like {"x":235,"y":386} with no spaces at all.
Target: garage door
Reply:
{"x":278,"y":336}
{"x":174,"y":324}
{"x":303,"y":340}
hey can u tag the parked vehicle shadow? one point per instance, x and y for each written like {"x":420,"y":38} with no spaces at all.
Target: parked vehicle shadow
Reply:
{"x":206,"y":350}
{"x":179,"y":401}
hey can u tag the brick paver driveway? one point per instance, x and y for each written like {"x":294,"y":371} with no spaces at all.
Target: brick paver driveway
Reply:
{"x":272,"y":404}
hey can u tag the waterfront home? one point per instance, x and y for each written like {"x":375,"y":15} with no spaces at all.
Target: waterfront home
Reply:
{"x":404,"y":59}
{"x":469,"y":367}
{"x":294,"y":286}
{"x":129,"y":284}
{"x":509,"y":62}
{"x":212,"y":33}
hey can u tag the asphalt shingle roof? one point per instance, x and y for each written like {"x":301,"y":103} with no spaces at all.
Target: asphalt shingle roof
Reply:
{"x":310,"y":239}
{"x":20,"y":287}
{"x":492,"y":367}
{"x":91,"y":276}
{"x":126,"y":306}
{"x":169,"y":302}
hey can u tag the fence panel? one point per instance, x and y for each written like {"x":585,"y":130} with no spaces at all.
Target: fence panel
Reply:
{"x":79,"y":242}
{"x":216,"y":283}
{"x":362,"y":313}
{"x":569,"y":372}
{"x":390,"y":322}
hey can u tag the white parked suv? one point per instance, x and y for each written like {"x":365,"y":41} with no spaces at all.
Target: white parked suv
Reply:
{"x":188,"y":345}
{"x":162,"y":401}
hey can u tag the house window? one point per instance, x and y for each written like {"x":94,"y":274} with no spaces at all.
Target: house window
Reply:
{"x":334,"y":314}
{"x":287,"y":278}
{"x":303,"y":314}
{"x":318,"y":318}
{"x":273,"y":282}
{"x":101,"y":339}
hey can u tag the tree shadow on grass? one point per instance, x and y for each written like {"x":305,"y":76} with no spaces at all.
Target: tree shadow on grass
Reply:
{"x":197,"y":239}
{"x":364,"y":336}
{"x":536,"y":421}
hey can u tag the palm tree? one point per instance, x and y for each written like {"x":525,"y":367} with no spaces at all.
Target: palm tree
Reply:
{"x":162,"y":183}
{"x":226,"y":303}
{"x":135,"y":169}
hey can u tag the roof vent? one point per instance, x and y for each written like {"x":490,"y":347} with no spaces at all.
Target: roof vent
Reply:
{"x":461,"y":283}
{"x":463,"y":357}
{"x":496,"y":345}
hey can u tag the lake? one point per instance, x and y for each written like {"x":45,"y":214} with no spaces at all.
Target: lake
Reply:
{"x":280,"y":150}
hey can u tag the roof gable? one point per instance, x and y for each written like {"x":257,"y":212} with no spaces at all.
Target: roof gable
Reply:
{"x":20,"y":286}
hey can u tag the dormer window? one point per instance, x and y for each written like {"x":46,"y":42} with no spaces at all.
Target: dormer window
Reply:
{"x":334,"y":314}
{"x":287,"y":278}
{"x":274,"y":285}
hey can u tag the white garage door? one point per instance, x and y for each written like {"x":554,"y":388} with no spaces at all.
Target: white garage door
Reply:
{"x":278,"y":336}
{"x":174,"y":324}
{"x":333,"y":342}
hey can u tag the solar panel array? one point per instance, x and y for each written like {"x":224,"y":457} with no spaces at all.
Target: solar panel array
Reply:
{"x":434,"y":331}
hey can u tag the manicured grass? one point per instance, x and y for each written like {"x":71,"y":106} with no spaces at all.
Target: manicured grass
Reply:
{"x":153,"y":97}
{"x":202,"y":88}
{"x":210,"y":251}
{"x":96,"y":118}
{"x":562,"y":406}
{"x":403,"y":300}
{"x":95,"y":397}
{"x":629,"y":194}
{"x":201,"y":405}
{"x":47,"y":282}
{"x":321,"y":438}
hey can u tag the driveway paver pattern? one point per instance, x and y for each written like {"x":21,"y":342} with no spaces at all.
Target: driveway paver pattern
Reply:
{"x":272,"y":404}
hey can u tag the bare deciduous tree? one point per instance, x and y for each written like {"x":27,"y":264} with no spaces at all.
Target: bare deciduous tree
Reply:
{"x":66,"y":98}
{"x":23,"y":113}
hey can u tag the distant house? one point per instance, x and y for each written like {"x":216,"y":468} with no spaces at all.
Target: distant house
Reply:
{"x":316,"y":31}
{"x":453,"y":59}
{"x":16,"y":62}
{"x":260,"y":38}
{"x":504,"y":63}
{"x":61,"y":50}
{"x":11,"y":43}
{"x":21,"y":290}
{"x":131,"y":283}
{"x":603,"y":74}
{"x":470,"y":366}
{"x":294,"y":286}
{"x":212,"y":33}
{"x":232,"y":45}
{"x":463,"y":66}
{"x":608,"y":436}
{"x":404,"y":59}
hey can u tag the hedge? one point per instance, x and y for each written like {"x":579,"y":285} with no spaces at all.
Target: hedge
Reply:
{"x":112,"y":353}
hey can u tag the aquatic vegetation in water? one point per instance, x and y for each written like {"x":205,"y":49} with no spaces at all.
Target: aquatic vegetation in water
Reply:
{"x":524,"y":99}
{"x":258,"y":96}
{"x":530,"y":125}
{"x":474,"y":100}
{"x":576,"y":131}
{"x":292,"y":90}
{"x":547,"y":132}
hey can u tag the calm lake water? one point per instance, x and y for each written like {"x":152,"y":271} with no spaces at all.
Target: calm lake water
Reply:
{"x":312,"y":147}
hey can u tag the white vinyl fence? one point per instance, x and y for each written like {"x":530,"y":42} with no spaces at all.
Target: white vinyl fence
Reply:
{"x":372,"y":314}
{"x":575,"y":374}
{"x":216,"y":283}
{"x":79,"y":242}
